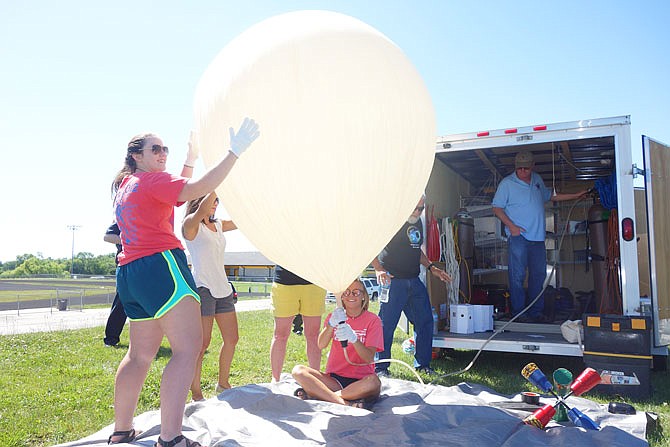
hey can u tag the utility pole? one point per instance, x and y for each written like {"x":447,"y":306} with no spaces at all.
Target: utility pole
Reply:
{"x":73,"y":228}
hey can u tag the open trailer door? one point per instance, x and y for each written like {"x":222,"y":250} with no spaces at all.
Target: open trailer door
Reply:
{"x":657,"y":186}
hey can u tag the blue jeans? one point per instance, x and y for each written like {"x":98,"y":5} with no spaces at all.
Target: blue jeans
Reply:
{"x":532,"y":256}
{"x":410,"y":296}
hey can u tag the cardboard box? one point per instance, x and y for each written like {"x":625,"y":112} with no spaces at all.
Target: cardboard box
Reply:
{"x":488,"y":228}
{"x":482,"y":317}
{"x":437,"y":292}
{"x":460,"y":319}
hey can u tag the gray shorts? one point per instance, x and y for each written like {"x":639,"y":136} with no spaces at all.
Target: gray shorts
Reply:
{"x":211,"y":306}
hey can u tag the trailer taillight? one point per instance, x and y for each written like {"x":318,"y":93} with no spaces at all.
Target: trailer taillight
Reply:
{"x":508,"y":131}
{"x":627,"y":229}
{"x":482,"y":134}
{"x":540,"y":128}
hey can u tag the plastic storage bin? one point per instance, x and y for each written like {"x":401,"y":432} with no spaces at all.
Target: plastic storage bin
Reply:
{"x":619,"y":348}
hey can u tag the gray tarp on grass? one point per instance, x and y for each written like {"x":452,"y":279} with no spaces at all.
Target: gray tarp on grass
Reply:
{"x":408,"y":414}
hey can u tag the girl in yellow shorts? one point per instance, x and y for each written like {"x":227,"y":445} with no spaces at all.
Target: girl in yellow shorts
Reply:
{"x":292,"y":295}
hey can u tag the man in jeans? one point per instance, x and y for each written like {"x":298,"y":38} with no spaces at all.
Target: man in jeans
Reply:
{"x":519,"y":204}
{"x":399,"y":265}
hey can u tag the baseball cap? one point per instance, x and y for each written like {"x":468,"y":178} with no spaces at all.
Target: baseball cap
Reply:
{"x":523,"y":160}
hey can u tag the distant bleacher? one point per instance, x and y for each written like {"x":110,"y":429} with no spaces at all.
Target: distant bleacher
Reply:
{"x":250,"y":265}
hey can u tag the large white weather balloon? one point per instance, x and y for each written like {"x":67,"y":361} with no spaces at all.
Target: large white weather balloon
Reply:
{"x":347,"y":138}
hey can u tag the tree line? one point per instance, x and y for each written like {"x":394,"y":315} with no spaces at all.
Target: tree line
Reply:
{"x":84,"y":263}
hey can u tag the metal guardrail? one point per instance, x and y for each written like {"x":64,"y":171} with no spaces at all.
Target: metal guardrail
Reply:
{"x":60,"y":300}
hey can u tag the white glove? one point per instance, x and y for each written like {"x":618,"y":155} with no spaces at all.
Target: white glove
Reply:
{"x":245,"y":136}
{"x":345,"y":332}
{"x":337,"y":317}
{"x":193,"y":148}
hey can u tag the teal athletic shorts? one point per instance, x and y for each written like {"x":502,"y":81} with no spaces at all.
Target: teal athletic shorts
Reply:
{"x":150,"y":286}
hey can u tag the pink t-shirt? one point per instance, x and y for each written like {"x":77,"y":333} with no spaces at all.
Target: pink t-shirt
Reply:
{"x":368,"y":329}
{"x":144,"y":208}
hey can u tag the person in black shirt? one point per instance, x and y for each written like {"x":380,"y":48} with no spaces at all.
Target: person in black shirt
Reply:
{"x":117,"y":314}
{"x":399,"y":265}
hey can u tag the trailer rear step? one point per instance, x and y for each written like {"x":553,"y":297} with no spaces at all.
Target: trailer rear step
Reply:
{"x":544,"y":328}
{"x":538,"y":342}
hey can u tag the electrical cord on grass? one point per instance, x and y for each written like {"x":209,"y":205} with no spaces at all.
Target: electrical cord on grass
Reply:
{"x":389,"y":360}
{"x":346,"y":356}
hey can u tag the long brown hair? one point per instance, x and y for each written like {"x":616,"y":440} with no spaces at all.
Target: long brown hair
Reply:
{"x":129,"y":164}
{"x":192,"y":205}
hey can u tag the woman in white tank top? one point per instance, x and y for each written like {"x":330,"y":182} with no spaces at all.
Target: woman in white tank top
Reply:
{"x":207,"y":244}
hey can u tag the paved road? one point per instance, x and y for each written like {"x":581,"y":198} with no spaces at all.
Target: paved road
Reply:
{"x":48,"y":319}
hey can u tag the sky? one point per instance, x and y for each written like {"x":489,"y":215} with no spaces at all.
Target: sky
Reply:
{"x":78,"y":79}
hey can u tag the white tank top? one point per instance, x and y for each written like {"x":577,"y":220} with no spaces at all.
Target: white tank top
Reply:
{"x":207,"y":250}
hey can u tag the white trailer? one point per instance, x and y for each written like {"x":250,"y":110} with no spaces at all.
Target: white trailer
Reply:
{"x":570,"y":156}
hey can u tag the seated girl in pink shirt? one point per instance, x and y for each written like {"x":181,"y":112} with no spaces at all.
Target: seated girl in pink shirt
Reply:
{"x":350,"y":377}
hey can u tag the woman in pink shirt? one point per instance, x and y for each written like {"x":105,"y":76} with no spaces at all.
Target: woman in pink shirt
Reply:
{"x":154,"y":282}
{"x":350,"y":377}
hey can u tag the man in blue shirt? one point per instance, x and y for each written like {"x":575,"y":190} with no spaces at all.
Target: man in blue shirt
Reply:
{"x":519,"y":204}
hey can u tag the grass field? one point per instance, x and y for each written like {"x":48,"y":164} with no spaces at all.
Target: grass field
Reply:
{"x":59,"y":386}
{"x":253,"y":287}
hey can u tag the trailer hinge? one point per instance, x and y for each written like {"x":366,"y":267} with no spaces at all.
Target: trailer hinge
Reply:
{"x":637,"y":171}
{"x":530,"y":347}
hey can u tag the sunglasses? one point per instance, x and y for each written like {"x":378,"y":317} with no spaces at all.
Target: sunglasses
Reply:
{"x":355,"y":292}
{"x":420,"y":208}
{"x":157,"y":149}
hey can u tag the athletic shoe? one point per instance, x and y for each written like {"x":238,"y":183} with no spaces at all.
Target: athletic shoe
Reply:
{"x":427,"y":370}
